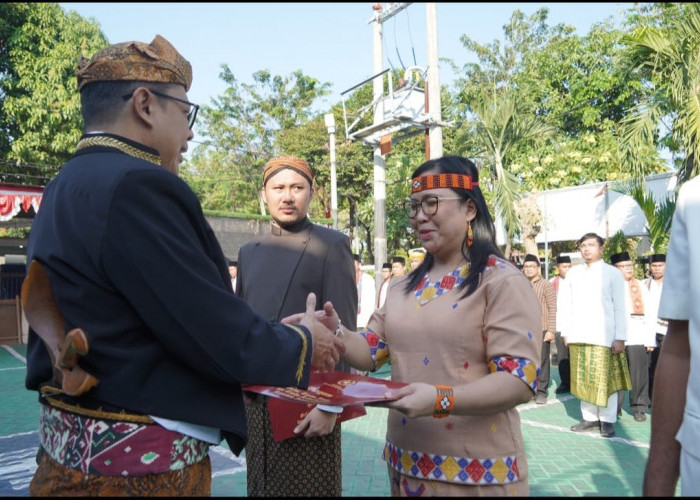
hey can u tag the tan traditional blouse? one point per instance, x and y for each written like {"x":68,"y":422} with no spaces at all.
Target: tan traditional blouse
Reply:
{"x":453,"y":341}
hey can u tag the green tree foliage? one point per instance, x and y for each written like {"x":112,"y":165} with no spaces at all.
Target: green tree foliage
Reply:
{"x":240,"y":129}
{"x":659,"y":215}
{"x":499,"y":126}
{"x":573,"y":86}
{"x":40,"y":115}
{"x":663,"y":50}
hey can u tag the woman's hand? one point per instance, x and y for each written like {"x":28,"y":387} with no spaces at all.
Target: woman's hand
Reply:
{"x":317,"y":423}
{"x":327,"y":316}
{"x":414,"y":400}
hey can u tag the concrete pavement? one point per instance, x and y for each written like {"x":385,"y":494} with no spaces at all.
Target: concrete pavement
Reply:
{"x":562,"y":463}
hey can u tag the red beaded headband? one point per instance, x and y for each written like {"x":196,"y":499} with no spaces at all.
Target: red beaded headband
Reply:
{"x":435,"y":181}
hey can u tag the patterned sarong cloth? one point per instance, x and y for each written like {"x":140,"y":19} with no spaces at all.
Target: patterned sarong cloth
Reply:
{"x":596,"y":373}
{"x":296,"y":467}
{"x":115,"y":448}
{"x":52,"y":479}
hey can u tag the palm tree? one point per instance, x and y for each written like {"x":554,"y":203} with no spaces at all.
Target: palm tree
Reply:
{"x":668,"y":57}
{"x":658,"y":215}
{"x":499,"y":127}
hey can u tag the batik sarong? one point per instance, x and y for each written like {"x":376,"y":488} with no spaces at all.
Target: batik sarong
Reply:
{"x":596,"y":373}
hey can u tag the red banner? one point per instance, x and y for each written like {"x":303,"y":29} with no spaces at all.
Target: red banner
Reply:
{"x":16,"y":198}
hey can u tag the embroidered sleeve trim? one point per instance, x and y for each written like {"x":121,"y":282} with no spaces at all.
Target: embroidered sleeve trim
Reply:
{"x":304,"y":349}
{"x":377,"y":348}
{"x":524,"y":369}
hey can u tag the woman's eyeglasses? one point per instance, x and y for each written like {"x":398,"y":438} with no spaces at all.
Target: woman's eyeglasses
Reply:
{"x":429,"y":205}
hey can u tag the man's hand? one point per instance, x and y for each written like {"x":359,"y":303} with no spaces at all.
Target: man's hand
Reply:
{"x":618,"y":346}
{"x":548,"y":336}
{"x":316,"y":423}
{"x":327,"y":316}
{"x":326,"y":347}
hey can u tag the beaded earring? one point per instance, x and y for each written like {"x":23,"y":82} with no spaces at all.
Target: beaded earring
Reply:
{"x":470,"y":234}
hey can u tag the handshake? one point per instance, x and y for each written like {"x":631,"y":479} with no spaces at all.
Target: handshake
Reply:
{"x":327,"y":348}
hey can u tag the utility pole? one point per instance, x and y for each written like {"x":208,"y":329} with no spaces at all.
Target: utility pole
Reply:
{"x":433,"y":83}
{"x":329,"y":119}
{"x":379,"y":163}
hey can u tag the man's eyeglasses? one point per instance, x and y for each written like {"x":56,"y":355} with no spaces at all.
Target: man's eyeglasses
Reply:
{"x":429,"y":205}
{"x":191,"y":115}
{"x":624,"y":266}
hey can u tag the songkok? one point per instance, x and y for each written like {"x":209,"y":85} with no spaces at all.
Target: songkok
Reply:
{"x":563,"y":259}
{"x":356,"y":257}
{"x":136,"y":61}
{"x":400,"y":260}
{"x":291,"y":162}
{"x":386,"y":265}
{"x":531,"y":258}
{"x":657,"y":257}
{"x":619,"y":257}
{"x":416,"y":254}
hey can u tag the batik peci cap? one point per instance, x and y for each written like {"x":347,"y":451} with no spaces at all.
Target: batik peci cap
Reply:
{"x":136,"y":61}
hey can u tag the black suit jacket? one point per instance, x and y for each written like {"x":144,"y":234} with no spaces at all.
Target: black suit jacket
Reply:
{"x":133,"y":261}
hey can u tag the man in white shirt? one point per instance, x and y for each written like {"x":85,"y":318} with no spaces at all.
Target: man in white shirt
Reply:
{"x":233,"y":271}
{"x":386,"y":275}
{"x":594,"y":326}
{"x":655,"y":283}
{"x":640,"y":337}
{"x":675,"y":428}
{"x":366,"y":296}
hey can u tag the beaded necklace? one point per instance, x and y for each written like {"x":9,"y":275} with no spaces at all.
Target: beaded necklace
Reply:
{"x":426,"y":290}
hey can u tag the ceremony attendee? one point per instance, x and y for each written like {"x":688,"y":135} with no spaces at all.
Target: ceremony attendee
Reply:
{"x":594,"y":326}
{"x":386,"y":276}
{"x":463,"y":330}
{"x":675,"y":427}
{"x":415,"y":257}
{"x":563,"y":265}
{"x":278,"y":269}
{"x":547,"y":298}
{"x":640,"y":337}
{"x":132,"y":261}
{"x":366,"y":296}
{"x":233,"y":271}
{"x":655,"y":283}
{"x":398,"y":267}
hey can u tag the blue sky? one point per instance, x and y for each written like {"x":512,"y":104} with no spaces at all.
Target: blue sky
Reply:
{"x":331,"y":42}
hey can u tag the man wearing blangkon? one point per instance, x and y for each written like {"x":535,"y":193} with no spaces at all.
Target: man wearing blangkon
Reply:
{"x":278,"y":270}
{"x":132,"y":260}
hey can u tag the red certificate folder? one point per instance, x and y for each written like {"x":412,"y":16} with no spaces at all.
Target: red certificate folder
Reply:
{"x":333,"y":388}
{"x":289,"y":405}
{"x":285,"y":416}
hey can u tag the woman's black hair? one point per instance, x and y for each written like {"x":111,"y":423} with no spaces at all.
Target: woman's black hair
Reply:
{"x":483,"y":228}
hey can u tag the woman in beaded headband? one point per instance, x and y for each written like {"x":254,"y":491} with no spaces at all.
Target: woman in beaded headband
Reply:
{"x":462,"y":177}
{"x":459,"y":333}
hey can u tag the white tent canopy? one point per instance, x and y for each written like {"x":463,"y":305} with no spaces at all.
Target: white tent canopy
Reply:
{"x":569,"y":213}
